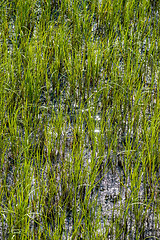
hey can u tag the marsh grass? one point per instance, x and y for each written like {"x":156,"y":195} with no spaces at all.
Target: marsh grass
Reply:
{"x":79,"y":119}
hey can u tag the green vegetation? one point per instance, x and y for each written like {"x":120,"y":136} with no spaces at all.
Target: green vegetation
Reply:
{"x":80,"y":113}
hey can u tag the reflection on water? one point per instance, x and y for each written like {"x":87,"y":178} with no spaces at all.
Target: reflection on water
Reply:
{"x":114,"y":191}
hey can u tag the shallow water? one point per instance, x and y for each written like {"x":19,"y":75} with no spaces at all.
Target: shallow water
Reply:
{"x":114,"y":190}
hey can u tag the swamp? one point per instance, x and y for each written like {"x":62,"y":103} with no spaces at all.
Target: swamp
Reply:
{"x":80,"y":119}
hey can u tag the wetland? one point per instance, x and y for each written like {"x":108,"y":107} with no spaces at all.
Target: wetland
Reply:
{"x":80,"y":120}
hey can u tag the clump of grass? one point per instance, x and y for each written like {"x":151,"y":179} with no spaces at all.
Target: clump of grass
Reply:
{"x":79,"y":119}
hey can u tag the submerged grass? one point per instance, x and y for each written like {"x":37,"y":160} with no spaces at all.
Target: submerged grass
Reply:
{"x":79,"y":119}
